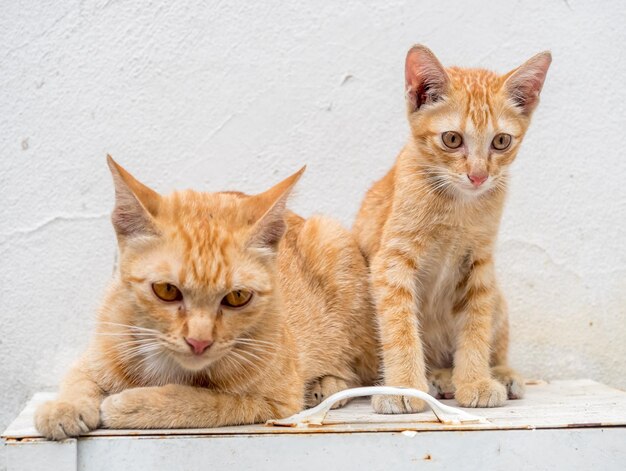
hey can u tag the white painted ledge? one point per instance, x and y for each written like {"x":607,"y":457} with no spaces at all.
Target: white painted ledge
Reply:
{"x":562,"y":424}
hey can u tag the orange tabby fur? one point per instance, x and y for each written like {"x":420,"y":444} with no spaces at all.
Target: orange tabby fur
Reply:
{"x":307,"y":327}
{"x":428,"y":233}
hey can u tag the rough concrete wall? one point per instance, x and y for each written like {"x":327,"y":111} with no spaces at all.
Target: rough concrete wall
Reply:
{"x":213,"y":95}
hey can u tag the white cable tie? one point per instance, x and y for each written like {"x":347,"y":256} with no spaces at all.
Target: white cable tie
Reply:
{"x":315,"y":416}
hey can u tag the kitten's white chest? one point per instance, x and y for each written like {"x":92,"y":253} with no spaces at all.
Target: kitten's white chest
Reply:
{"x":439,"y":326}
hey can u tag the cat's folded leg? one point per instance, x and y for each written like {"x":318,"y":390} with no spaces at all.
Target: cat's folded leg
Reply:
{"x":512,"y":380}
{"x":324,"y":387}
{"x":474,"y":385}
{"x":179,"y":406}
{"x":393,"y":280}
{"x":441,"y":381}
{"x":77,"y":409}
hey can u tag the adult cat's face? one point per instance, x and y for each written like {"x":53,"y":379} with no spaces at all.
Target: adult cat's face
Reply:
{"x":469,"y":123}
{"x":198,"y":269}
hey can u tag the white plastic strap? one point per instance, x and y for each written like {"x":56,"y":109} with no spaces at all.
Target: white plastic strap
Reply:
{"x":315,"y":416}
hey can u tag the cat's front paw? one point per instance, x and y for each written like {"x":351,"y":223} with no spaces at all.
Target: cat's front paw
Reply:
{"x":58,"y":420}
{"x":131,"y":408}
{"x":397,"y":404}
{"x":482,"y":393}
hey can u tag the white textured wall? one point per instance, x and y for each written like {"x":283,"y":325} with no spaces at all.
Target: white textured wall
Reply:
{"x":221,"y":96}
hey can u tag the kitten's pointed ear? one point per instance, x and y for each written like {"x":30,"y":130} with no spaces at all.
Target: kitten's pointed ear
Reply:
{"x":426,"y":79}
{"x":269,"y":210}
{"x":524,"y":84}
{"x":136,"y":205}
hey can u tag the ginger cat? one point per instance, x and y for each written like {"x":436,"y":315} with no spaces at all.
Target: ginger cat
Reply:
{"x":225,"y":309}
{"x":429,"y":226}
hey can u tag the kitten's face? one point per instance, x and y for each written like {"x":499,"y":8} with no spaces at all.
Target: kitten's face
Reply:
{"x":199,"y":271}
{"x":198,"y":283}
{"x":469,"y":123}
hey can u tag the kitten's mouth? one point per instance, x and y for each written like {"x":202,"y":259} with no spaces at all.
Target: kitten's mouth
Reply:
{"x":194,"y":362}
{"x":468,"y":190}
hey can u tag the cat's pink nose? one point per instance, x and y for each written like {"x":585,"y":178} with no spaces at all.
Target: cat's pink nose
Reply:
{"x":198,"y":346}
{"x":478,"y":179}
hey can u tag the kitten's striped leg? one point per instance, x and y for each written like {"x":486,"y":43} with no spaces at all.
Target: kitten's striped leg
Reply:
{"x":499,"y":353}
{"x":471,"y":376}
{"x":393,"y":280}
{"x":179,"y":406}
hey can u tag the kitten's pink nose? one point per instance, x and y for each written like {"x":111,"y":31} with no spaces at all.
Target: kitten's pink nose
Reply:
{"x":478,"y":179}
{"x":198,"y":346}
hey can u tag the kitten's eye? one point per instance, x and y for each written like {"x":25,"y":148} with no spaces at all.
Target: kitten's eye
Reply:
{"x":452,"y":139}
{"x":167,"y":292}
{"x":238,"y":298}
{"x":501,"y":142}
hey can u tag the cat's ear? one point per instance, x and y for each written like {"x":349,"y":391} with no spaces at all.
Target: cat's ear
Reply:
{"x":426,"y":79}
{"x":136,"y":205}
{"x":524,"y":84}
{"x":268,"y":209}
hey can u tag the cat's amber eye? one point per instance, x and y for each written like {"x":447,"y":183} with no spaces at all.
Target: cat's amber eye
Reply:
{"x":238,"y":298}
{"x":167,"y":292}
{"x":452,"y":139}
{"x":501,"y":142}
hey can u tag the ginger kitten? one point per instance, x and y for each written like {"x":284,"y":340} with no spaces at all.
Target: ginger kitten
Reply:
{"x":225,"y":309}
{"x":429,"y":226}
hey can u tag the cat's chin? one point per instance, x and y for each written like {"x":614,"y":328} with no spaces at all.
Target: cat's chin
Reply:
{"x":469,"y":193}
{"x":194,"y":363}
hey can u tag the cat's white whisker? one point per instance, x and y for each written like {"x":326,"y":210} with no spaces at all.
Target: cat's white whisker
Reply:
{"x":253,"y":355}
{"x":238,"y":367}
{"x":126,"y":334}
{"x":250,"y":340}
{"x":129,"y":326}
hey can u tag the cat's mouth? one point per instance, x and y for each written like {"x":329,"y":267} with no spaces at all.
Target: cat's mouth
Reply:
{"x":193,"y":362}
{"x":465,"y":188}
{"x":459,"y":185}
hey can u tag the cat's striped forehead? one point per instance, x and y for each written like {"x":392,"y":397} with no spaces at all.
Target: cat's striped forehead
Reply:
{"x":208,"y":227}
{"x":193,"y":207}
{"x":476,"y":93}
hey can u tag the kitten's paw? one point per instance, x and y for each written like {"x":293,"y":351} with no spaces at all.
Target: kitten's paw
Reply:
{"x":324,"y":387}
{"x":57,"y":420}
{"x":441,"y":380}
{"x":513,"y":382}
{"x":482,"y":393}
{"x":131,"y":408}
{"x":397,"y":404}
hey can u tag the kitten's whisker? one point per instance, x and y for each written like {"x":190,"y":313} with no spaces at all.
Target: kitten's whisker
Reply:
{"x":134,"y":327}
{"x":126,"y":346}
{"x":250,"y":340}
{"x":127,"y":334}
{"x":137,"y":350}
{"x":238,"y":367}
{"x":259,"y":348}
{"x":268,"y":351}
{"x":250,"y":362}
{"x":147,"y":355}
{"x":141,"y":342}
{"x":253,"y":355}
